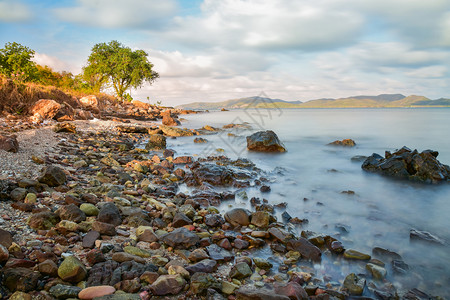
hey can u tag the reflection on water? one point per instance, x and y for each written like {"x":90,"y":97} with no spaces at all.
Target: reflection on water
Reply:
{"x":381,"y":212}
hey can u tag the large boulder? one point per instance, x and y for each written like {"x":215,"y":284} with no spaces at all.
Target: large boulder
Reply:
{"x":52,"y":176}
{"x":72,"y":270}
{"x":89,"y":102}
{"x":9,"y":143}
{"x":175,"y":131}
{"x":408,"y":164}
{"x":109,"y":213}
{"x":168,"y":120}
{"x":344,"y":142}
{"x":265,"y":141}
{"x":45,"y":109}
{"x":156,"y":142}
{"x":140,"y":104}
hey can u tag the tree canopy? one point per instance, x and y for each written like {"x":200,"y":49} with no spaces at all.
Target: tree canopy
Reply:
{"x":16,"y":63}
{"x":113,"y":64}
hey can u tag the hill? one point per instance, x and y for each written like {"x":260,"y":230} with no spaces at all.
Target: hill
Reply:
{"x":362,"y":101}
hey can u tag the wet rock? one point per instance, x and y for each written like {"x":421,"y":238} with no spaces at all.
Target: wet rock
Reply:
{"x":9,"y":143}
{"x":265,"y":141}
{"x":425,"y":236}
{"x":200,"y":140}
{"x":72,"y":270}
{"x":219,"y":254}
{"x":109,"y":213}
{"x":203,"y":281}
{"x":416,"y":294}
{"x":293,"y":290}
{"x":213,"y":174}
{"x":156,"y":142}
{"x":48,"y":268}
{"x":353,"y":284}
{"x":168,"y":119}
{"x":65,"y":127}
{"x":104,"y":228}
{"x":43,"y":220}
{"x":240,"y":271}
{"x":61,"y":291}
{"x":180,"y":220}
{"x":45,"y":109}
{"x":214,"y":220}
{"x":20,"y":279}
{"x":168,"y":284}
{"x":385,"y":254}
{"x":180,"y":237}
{"x":377,"y":272}
{"x":399,"y":267}
{"x":238,"y":217}
{"x":146,"y":234}
{"x":407,"y":164}
{"x":174,"y":131}
{"x":90,"y":238}
{"x":205,"y":266}
{"x":353,"y":254}
{"x":96,"y":291}
{"x":265,"y":189}
{"x":53,"y":176}
{"x":254,"y":293}
{"x":305,"y":247}
{"x":262,"y":263}
{"x":183,"y":160}
{"x":71,"y":212}
{"x":279,"y":234}
{"x":5,"y":238}
{"x":260,"y":219}
{"x":344,"y":142}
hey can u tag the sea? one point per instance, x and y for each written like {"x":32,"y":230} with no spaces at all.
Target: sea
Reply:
{"x":314,"y":178}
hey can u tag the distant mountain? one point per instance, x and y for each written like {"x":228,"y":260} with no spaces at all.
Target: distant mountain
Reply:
{"x":383,"y":100}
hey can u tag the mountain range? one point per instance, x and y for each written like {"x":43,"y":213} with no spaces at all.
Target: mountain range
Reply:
{"x":383,"y":100}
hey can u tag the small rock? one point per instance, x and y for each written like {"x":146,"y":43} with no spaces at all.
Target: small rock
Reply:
{"x":168,"y":284}
{"x":180,"y":237}
{"x":354,"y":284}
{"x":353,"y":254}
{"x":238,"y":216}
{"x":89,"y":209}
{"x":9,"y":143}
{"x":156,"y":142}
{"x":72,"y":270}
{"x":240,"y":271}
{"x":425,"y":236}
{"x":90,"y":238}
{"x":61,"y":291}
{"x":96,"y":291}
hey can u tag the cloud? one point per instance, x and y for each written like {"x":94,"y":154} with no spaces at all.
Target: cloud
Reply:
{"x":118,"y":13}
{"x":14,"y":11}
{"x":55,"y":63}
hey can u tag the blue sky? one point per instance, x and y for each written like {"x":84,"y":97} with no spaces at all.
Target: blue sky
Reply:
{"x":213,"y":50}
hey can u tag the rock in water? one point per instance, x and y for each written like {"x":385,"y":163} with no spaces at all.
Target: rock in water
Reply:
{"x":9,"y":143}
{"x":238,"y":216}
{"x":156,"y":142}
{"x":168,"y":120}
{"x":265,"y":141}
{"x":425,"y":236}
{"x":53,"y":176}
{"x":354,"y":284}
{"x":407,"y":164}
{"x":344,"y":142}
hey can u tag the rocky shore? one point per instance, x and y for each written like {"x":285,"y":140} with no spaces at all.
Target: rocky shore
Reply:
{"x":88,"y":213}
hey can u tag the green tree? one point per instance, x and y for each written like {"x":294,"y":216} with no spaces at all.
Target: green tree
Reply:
{"x":118,"y":66}
{"x":16,"y":63}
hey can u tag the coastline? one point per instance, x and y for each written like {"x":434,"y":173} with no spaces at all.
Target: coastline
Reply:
{"x":142,"y":185}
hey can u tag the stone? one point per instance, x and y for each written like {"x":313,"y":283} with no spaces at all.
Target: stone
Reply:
{"x":204,"y":266}
{"x":72,"y":213}
{"x":180,"y":220}
{"x":110,"y":161}
{"x":183,"y":160}
{"x":262,"y":263}
{"x":20,"y":296}
{"x":203,"y":281}
{"x":265,"y":141}
{"x":137,"y":251}
{"x":5,"y":238}
{"x":18,"y":194}
{"x":238,"y":217}
{"x":214,"y":220}
{"x":353,"y":254}
{"x":377,"y":272}
{"x":124,"y":256}
{"x":174,"y":131}
{"x":198,"y":255}
{"x":399,"y":267}
{"x":61,"y":291}
{"x":30,"y":198}
{"x":96,"y":291}
{"x":168,"y":284}
{"x":20,"y":279}
{"x":305,"y":247}
{"x":425,"y":237}
{"x":48,"y":268}
{"x":104,"y":228}
{"x":228,"y":288}
{"x":90,"y":238}
{"x":4,"y":254}
{"x":65,"y":127}
{"x":156,"y":142}
{"x":53,"y":176}
{"x":293,"y":290}
{"x":9,"y":143}
{"x":89,"y":209}
{"x":254,"y":293}
{"x":260,"y":219}
{"x":146,"y":234}
{"x":128,"y":286}
{"x":109,"y":213}
{"x":43,"y":220}
{"x":89,"y":102}
{"x":72,"y":270}
{"x":200,"y":140}
{"x":180,"y":237}
{"x":279,"y":234}
{"x":410,"y":165}
{"x":45,"y":109}
{"x":240,"y":271}
{"x":168,"y":119}
{"x":344,"y":142}
{"x":353,"y":284}
{"x":219,"y":254}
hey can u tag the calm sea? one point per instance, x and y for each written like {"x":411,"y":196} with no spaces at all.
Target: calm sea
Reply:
{"x":311,"y":176}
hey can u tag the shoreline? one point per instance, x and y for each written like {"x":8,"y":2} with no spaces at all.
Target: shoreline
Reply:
{"x":124,"y":190}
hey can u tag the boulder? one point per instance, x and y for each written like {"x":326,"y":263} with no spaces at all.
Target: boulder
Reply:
{"x":20,"y":279}
{"x":43,"y":220}
{"x":9,"y":143}
{"x":156,"y":142}
{"x":180,"y":237}
{"x":174,"y":131}
{"x":65,"y":127}
{"x":354,"y":284}
{"x":265,"y":141}
{"x":240,"y":270}
{"x":293,"y":290}
{"x":344,"y":142}
{"x":53,"y":176}
{"x":81,"y":114}
{"x":72,"y":270}
{"x":238,"y":216}
{"x":45,"y":109}
{"x":109,"y":213}
{"x":140,"y":104}
{"x":408,"y":164}
{"x":305,"y":247}
{"x":168,"y":119}
{"x":89,"y":102}
{"x":425,"y":236}
{"x":254,"y":293}
{"x":71,"y":212}
{"x":168,"y":284}
{"x":203,"y":281}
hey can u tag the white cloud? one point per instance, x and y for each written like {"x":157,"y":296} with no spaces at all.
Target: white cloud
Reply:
{"x":14,"y":11}
{"x":55,"y":63}
{"x":118,"y":13}
{"x":429,"y":72}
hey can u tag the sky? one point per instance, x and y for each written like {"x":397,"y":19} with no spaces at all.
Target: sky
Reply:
{"x":214,"y":50}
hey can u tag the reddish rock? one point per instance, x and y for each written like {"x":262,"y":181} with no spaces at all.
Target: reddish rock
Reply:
{"x":45,"y":109}
{"x":89,"y":102}
{"x":104,"y":228}
{"x":183,"y":160}
{"x":168,"y":120}
{"x":306,"y":248}
{"x":292,"y":290}
{"x":9,"y":143}
{"x":96,"y":291}
{"x":95,"y":256}
{"x":168,"y":284}
{"x":5,"y":238}
{"x":49,"y":268}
